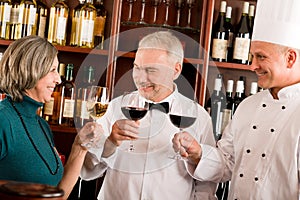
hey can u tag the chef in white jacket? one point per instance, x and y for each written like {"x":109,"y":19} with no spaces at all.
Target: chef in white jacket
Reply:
{"x":259,"y":149}
{"x":148,"y":172}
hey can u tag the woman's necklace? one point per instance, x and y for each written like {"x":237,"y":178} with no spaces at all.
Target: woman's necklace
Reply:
{"x":34,"y":146}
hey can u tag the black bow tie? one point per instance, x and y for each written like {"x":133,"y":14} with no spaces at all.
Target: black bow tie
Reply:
{"x":164,"y":106}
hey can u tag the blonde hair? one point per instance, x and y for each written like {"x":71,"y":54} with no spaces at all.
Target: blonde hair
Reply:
{"x":24,"y":62}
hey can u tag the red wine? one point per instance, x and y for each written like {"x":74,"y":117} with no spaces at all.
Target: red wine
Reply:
{"x":182,"y":121}
{"x":134,"y":113}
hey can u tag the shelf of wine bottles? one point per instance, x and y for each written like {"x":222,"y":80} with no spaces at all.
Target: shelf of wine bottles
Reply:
{"x":231,"y":42}
{"x":82,"y":26}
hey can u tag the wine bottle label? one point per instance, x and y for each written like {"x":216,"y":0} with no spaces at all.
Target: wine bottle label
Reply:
{"x":219,"y":48}
{"x":14,"y":17}
{"x":78,"y":107}
{"x":61,"y":28}
{"x":226,"y":118}
{"x":48,"y":107}
{"x":241,"y":48}
{"x":6,"y":17}
{"x":99,"y":25}
{"x":69,"y":108}
{"x":42,"y":26}
{"x":84,"y":111}
{"x":87,"y":31}
{"x":32,"y":15}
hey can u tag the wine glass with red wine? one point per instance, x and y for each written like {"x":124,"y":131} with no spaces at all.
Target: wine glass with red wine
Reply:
{"x":182,"y":116}
{"x":134,"y":107}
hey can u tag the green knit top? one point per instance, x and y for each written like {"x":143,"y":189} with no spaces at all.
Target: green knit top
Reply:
{"x":27,"y":157}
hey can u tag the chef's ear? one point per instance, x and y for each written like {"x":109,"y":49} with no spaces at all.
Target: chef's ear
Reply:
{"x":177,"y":71}
{"x":291,"y":57}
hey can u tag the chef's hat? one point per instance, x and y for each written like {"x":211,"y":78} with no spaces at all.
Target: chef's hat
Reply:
{"x":278,"y":21}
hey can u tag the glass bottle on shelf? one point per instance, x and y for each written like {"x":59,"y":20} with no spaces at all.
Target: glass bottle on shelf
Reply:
{"x":242,"y":38}
{"x":51,"y":108}
{"x":251,"y":17}
{"x":229,"y":29}
{"x":227,"y":113}
{"x":67,"y":95}
{"x":238,"y":97}
{"x":13,"y":27}
{"x":27,"y":16}
{"x":82,"y":116}
{"x":75,"y":27}
{"x":99,"y":24}
{"x":42,"y":19}
{"x":5,"y":10}
{"x":253,"y":88}
{"x":87,"y":24}
{"x":59,"y":13}
{"x":215,"y":106}
{"x":220,"y":37}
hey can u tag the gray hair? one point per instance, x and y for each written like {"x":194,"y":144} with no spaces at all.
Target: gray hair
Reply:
{"x":164,"y":40}
{"x":24,"y":62}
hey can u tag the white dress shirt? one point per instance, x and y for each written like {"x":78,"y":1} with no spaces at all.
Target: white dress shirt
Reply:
{"x":148,"y":172}
{"x":259,"y":150}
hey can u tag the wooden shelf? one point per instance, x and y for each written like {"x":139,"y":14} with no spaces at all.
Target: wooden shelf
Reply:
{"x":228,"y":65}
{"x":63,"y":129}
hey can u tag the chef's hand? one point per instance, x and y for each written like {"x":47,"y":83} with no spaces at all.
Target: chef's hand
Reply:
{"x":124,"y":129}
{"x":89,"y":135}
{"x":187,"y":145}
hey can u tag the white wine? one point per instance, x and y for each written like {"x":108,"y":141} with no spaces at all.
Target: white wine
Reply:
{"x":5,"y":10}
{"x":59,"y":13}
{"x":13,"y":27}
{"x":75,"y":28}
{"x":27,"y":16}
{"x":42,"y":19}
{"x":99,"y":24}
{"x":87,"y":23}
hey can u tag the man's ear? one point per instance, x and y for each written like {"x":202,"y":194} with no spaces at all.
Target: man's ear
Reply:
{"x":177,"y":71}
{"x":291,"y":57}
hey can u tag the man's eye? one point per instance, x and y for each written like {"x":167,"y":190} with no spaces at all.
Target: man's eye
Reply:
{"x":261,"y":57}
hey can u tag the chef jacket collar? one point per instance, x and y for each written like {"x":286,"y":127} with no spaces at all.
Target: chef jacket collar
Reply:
{"x":289,"y":92}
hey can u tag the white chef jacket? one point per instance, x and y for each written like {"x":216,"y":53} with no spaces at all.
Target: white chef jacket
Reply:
{"x":259,"y":150}
{"x":148,"y":172}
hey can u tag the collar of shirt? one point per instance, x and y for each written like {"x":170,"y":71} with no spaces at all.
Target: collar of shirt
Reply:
{"x":289,"y":92}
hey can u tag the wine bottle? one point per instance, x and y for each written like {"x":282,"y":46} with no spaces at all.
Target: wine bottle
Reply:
{"x":67,"y":103}
{"x":42,"y":19}
{"x":216,"y":105}
{"x":27,"y":15}
{"x":227,"y":113}
{"x":242,"y":38}
{"x":82,"y":116}
{"x":253,"y":88}
{"x":5,"y":10}
{"x":238,"y":97}
{"x":99,"y":24}
{"x":243,"y":78}
{"x":13,"y":27}
{"x":229,"y":29}
{"x":220,"y":36}
{"x":87,"y":23}
{"x":75,"y":28}
{"x":59,"y":13}
{"x":51,"y":109}
{"x":251,"y":17}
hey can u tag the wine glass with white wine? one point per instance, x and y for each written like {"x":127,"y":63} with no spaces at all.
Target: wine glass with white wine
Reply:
{"x":96,"y":104}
